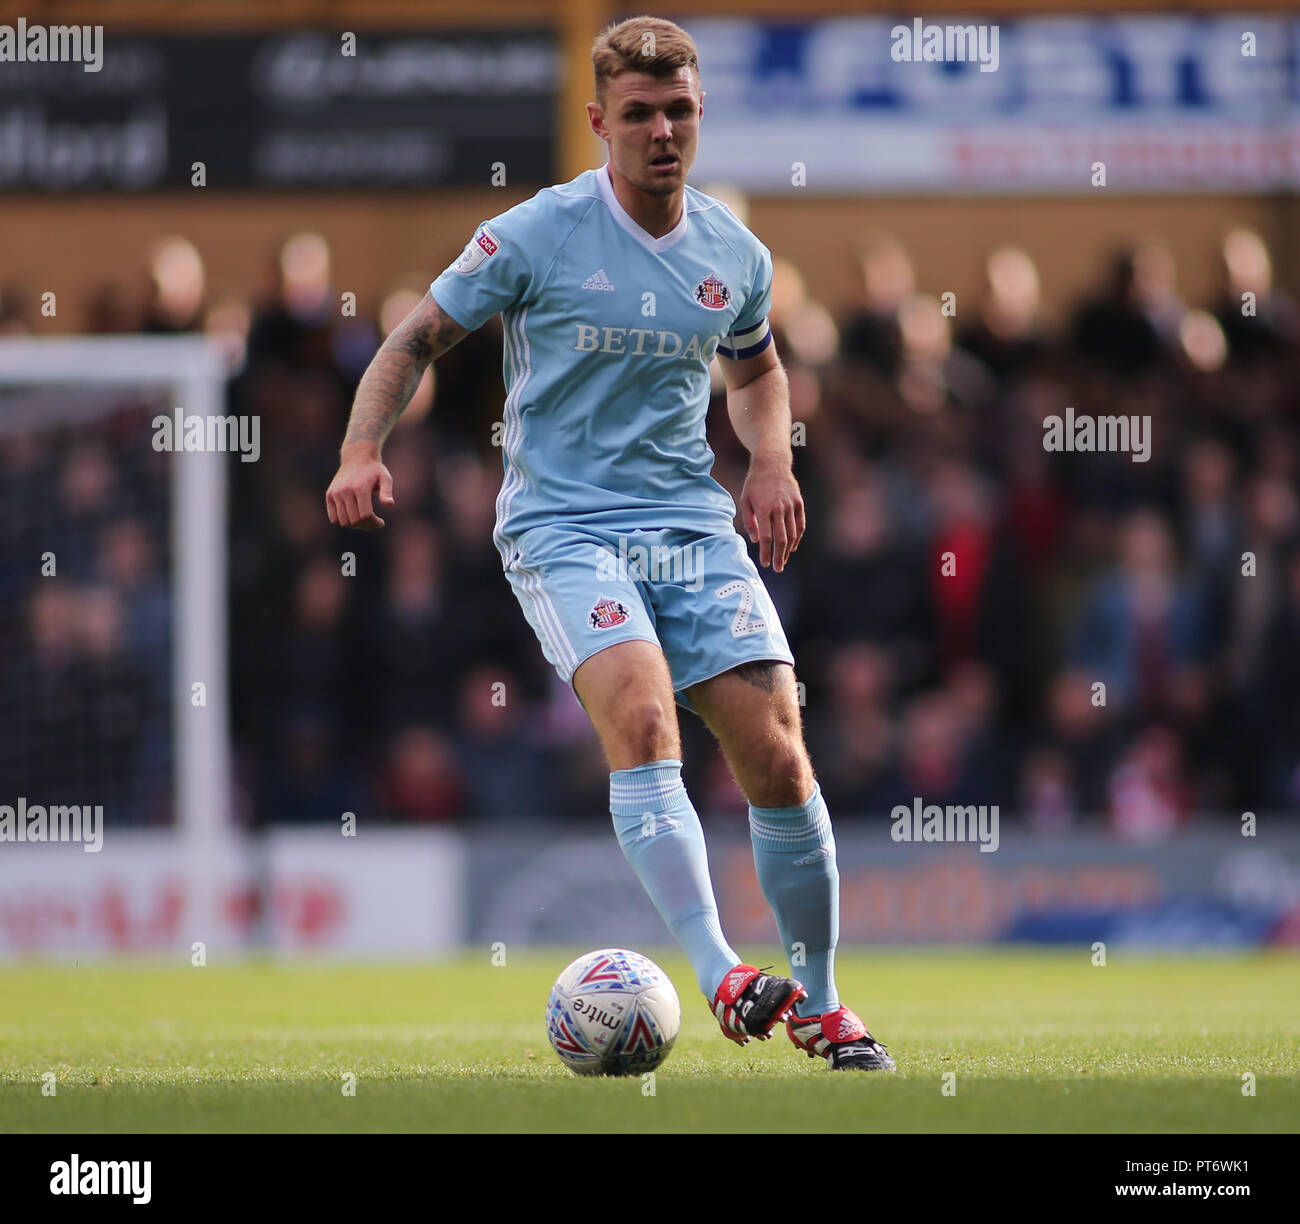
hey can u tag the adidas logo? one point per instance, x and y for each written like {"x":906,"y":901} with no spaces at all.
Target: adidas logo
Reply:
{"x":849,"y":1026}
{"x":822,"y":852}
{"x":653,"y":825}
{"x":598,"y":280}
{"x":735,"y":979}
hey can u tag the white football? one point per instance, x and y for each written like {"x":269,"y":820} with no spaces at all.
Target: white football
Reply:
{"x":613,"y":1012}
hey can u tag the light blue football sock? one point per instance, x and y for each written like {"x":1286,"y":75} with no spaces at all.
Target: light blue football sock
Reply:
{"x":794,"y":856}
{"x":662,"y":839}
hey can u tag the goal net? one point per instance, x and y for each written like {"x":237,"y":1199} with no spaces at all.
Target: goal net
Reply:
{"x":112,"y":590}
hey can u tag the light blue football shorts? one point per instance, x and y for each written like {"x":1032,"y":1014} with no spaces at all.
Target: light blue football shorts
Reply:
{"x":696,"y":595}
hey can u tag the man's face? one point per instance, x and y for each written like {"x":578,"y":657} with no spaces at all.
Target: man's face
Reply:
{"x":652,"y":127}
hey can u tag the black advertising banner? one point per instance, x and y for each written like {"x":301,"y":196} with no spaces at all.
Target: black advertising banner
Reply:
{"x":302,"y":109}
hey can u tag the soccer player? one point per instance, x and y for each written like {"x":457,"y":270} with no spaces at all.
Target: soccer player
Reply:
{"x":616,"y":290}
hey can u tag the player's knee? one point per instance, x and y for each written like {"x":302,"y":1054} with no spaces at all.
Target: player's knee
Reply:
{"x":785,"y":776}
{"x":647,"y":729}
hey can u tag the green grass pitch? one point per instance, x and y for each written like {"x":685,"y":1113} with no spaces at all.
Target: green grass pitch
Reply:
{"x":1038,"y":1042}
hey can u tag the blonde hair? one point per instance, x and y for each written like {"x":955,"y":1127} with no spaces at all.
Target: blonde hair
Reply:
{"x":641,"y":44}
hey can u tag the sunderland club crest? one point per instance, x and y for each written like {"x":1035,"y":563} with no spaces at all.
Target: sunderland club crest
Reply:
{"x":712,"y":293}
{"x":607,"y":613}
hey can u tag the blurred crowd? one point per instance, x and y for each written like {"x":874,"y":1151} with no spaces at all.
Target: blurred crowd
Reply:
{"x":85,"y":613}
{"x":1077,"y":637}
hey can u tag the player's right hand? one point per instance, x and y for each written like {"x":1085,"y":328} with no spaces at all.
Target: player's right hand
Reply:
{"x":348,"y":499}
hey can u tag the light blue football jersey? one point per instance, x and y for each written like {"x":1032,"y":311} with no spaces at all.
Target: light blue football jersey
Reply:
{"x":608,"y":338}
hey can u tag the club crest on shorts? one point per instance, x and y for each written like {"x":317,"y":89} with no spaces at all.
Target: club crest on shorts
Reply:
{"x":712,"y":293}
{"x":607,"y":613}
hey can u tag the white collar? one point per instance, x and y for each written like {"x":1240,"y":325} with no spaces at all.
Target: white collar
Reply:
{"x":655,"y":245}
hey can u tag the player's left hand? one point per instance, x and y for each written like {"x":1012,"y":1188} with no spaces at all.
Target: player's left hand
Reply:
{"x":771,"y":508}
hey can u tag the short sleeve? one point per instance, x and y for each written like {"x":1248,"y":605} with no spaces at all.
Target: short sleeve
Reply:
{"x":750,"y":334}
{"x":491,"y":275}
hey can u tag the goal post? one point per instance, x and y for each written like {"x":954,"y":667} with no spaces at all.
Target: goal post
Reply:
{"x":190,"y":372}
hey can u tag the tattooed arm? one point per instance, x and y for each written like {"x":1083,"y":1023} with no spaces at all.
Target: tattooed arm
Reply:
{"x":384,"y":391}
